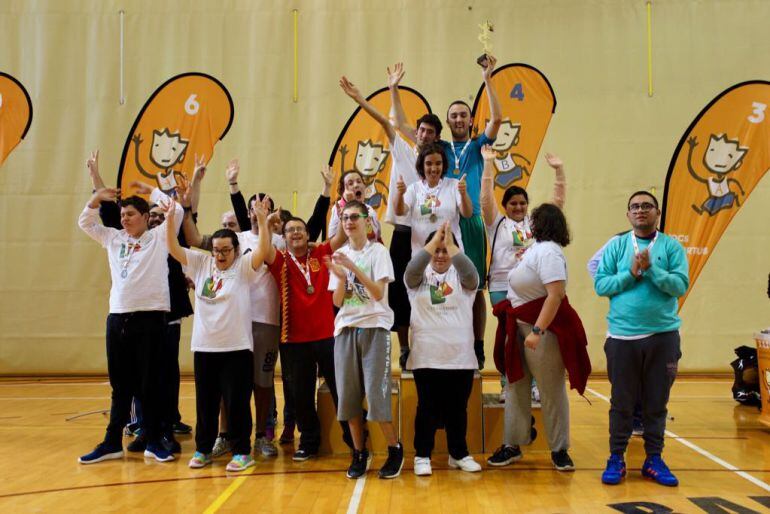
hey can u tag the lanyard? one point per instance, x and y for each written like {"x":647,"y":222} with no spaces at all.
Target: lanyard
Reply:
{"x":131,"y":250}
{"x":435,"y":192}
{"x":305,"y":271}
{"x":462,"y":152}
{"x":523,"y":229}
{"x":636,"y":245}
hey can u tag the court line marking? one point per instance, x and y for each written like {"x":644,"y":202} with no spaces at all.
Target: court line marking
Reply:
{"x":227,"y":493}
{"x":355,"y":499}
{"x":754,"y":480}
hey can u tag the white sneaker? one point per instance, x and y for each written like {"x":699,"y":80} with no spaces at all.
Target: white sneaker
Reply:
{"x":221,"y":446}
{"x":466,"y":464}
{"x":268,"y":449}
{"x":422,"y":466}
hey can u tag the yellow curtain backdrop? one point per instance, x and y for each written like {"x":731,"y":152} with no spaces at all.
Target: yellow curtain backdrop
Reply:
{"x":613,"y":137}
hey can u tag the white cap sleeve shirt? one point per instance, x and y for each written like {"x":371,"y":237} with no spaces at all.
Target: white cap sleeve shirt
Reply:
{"x":222,"y":304}
{"x":442,"y":322}
{"x":542,"y":263}
{"x":404,"y":160}
{"x":423,"y":203}
{"x":359,"y":309}
{"x":263,"y":289}
{"x":511,"y":237}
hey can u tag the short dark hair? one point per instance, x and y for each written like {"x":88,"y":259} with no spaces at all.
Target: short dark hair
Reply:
{"x":293,"y":218}
{"x":356,"y":204}
{"x":261,"y":196}
{"x":224,"y":233}
{"x":432,"y":120}
{"x":430,"y":150}
{"x":459,"y":102}
{"x":430,"y":236}
{"x":341,"y":183}
{"x":285,"y":215}
{"x":654,"y":200}
{"x":513,"y":191}
{"x":549,"y":224}
{"x":139,"y":203}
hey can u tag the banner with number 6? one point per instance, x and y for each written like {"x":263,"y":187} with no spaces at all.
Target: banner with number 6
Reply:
{"x":528,"y":102}
{"x":184,"y":117}
{"x":719,"y":160}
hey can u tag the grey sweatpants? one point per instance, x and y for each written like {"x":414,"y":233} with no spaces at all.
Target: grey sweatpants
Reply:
{"x":545,"y":364}
{"x":643,"y":368}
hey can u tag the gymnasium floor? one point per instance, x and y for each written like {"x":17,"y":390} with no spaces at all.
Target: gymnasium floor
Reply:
{"x":719,"y":451}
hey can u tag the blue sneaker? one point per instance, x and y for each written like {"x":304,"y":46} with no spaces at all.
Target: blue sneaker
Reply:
{"x":655,"y":469}
{"x":158,"y":452}
{"x":103,"y":451}
{"x":615,"y":470}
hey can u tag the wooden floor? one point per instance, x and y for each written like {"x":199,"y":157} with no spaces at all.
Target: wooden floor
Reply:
{"x":719,"y":451}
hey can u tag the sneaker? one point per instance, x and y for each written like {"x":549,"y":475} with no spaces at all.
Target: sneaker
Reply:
{"x":221,"y":446}
{"x":505,"y":455}
{"x":267,"y":448}
{"x":103,"y":451}
{"x":199,"y":460}
{"x":270,"y":433}
{"x":561,"y":461}
{"x":171,"y":444}
{"x":478,"y":348}
{"x":638,"y":427}
{"x":158,"y":452}
{"x":132,"y":429}
{"x":403,"y":358}
{"x":655,"y":469}
{"x":535,"y":395}
{"x":466,"y":464}
{"x":394,"y":463}
{"x":422,"y":466}
{"x":181,"y":428}
{"x":287,"y":436}
{"x":240,"y":463}
{"x":302,"y":455}
{"x":615,"y":470}
{"x":359,"y":465}
{"x":138,"y":445}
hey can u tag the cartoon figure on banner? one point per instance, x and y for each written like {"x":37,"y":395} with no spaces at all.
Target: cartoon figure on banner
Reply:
{"x":509,"y":165}
{"x":370,"y":161}
{"x":167,"y":151}
{"x":722,"y":157}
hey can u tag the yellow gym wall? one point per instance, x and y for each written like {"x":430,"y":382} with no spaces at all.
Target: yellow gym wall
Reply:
{"x":613,"y":137}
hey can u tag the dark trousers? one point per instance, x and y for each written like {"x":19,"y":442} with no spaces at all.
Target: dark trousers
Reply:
{"x":226,"y":377}
{"x":287,"y":383}
{"x":304,"y":362}
{"x":134,"y":340}
{"x":442,"y":396}
{"x":646,"y":369}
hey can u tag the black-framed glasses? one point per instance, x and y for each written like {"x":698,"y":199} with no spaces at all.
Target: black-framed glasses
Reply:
{"x":644,"y":207}
{"x":224,"y":252}
{"x":354,"y":217}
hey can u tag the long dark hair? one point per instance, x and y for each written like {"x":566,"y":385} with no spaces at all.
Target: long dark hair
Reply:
{"x":549,"y":224}
{"x":513,"y":191}
{"x":430,"y":150}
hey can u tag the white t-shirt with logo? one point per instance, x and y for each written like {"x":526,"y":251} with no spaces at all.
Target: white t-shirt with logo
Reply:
{"x":264,"y":291}
{"x":513,"y":237}
{"x":138,"y":266}
{"x":442,"y":322}
{"x":222,"y":303}
{"x":542,"y":263}
{"x":431,"y":207}
{"x":359,"y":309}
{"x":404,"y":165}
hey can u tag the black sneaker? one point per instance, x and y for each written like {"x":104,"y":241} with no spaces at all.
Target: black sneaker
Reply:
{"x":302,"y":455}
{"x":182,"y":428}
{"x":171,"y":444}
{"x":478,"y":348}
{"x":505,"y":455}
{"x":403,"y":358}
{"x":561,"y":461}
{"x":392,"y":466}
{"x":139,"y":444}
{"x":359,"y":465}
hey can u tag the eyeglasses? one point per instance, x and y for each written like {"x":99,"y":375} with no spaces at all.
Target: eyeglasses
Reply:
{"x":644,"y":207}
{"x":222,"y":251}
{"x":353,"y":217}
{"x":291,"y":230}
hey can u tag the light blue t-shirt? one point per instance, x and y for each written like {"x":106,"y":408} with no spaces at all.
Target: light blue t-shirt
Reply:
{"x":648,"y":305}
{"x":471,"y":164}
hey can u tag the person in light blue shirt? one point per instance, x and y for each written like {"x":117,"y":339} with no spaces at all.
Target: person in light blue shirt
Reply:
{"x":643,"y":273}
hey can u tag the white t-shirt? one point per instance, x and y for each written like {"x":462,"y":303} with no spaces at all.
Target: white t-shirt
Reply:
{"x":512,"y":238}
{"x":222,"y":303}
{"x":542,"y":263}
{"x":138,"y":267}
{"x":373,"y":224}
{"x":359,"y":309}
{"x":430,"y":207}
{"x":442,"y":322}
{"x":263,"y":290}
{"x":404,"y":161}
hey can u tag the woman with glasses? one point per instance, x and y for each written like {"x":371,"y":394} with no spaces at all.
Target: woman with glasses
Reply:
{"x":222,"y":342}
{"x":434,"y":199}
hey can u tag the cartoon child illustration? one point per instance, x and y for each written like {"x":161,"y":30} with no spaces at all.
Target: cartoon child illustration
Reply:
{"x":167,"y":151}
{"x":508,"y":164}
{"x":370,"y":161}
{"x":722,"y":157}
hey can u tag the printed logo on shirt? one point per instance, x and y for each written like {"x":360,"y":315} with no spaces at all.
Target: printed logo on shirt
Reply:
{"x":211,"y":287}
{"x":429,"y":205}
{"x":127,"y":249}
{"x":438,"y":293}
{"x":315,"y":265}
{"x":356,"y":294}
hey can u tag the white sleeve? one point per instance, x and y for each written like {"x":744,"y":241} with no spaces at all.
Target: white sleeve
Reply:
{"x":334,"y":222}
{"x":333,"y":281}
{"x":382,"y":266}
{"x":402,"y":158}
{"x":551,"y":265}
{"x":196,"y":261}
{"x":90,"y":224}
{"x":158,"y":197}
{"x":409,"y":198}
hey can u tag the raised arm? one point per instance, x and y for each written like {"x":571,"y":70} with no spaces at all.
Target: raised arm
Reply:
{"x":402,"y":124}
{"x":399,"y":205}
{"x":240,"y":208}
{"x":488,"y":208}
{"x":466,"y":205}
{"x":352,"y":91}
{"x":109,"y":212}
{"x":199,"y":172}
{"x":174,"y":248}
{"x":317,"y":220}
{"x":265,"y":251}
{"x":88,"y":220}
{"x":559,"y":182}
{"x":469,"y":277}
{"x":495,"y":112}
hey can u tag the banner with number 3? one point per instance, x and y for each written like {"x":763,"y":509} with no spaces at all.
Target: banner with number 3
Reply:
{"x":527,"y":101}
{"x":184,"y":117}
{"x":719,"y":160}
